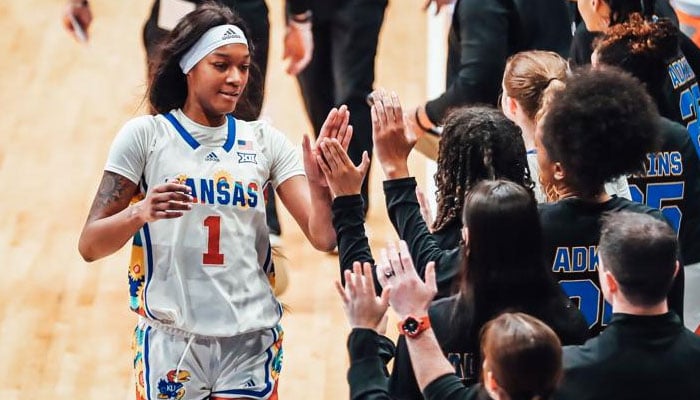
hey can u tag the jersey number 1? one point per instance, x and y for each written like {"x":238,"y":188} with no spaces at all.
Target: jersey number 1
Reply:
{"x":212,"y":256}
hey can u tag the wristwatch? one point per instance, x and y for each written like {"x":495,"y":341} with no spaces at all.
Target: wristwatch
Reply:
{"x":413,"y":326}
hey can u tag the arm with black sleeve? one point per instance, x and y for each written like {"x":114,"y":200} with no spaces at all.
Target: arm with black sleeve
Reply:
{"x":478,"y":48}
{"x":404,"y":213}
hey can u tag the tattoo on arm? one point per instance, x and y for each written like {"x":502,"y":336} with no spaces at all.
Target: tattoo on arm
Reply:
{"x":113,"y":195}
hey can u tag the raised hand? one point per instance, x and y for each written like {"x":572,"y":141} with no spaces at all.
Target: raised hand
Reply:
{"x":336,"y":126}
{"x":393,"y":141}
{"x":409,"y":295}
{"x":362,"y":306}
{"x":165,"y":201}
{"x":298,"y":46}
{"x":342,"y":176}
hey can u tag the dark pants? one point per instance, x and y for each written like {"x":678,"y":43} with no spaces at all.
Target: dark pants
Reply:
{"x":342,"y":68}
{"x":255,"y":15}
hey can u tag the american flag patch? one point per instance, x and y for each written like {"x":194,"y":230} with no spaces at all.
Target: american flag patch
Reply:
{"x":245,"y":145}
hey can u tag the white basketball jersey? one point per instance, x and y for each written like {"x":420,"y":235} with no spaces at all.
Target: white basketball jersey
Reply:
{"x":205,"y":272}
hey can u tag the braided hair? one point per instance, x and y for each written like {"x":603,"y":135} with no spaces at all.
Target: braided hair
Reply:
{"x":477,"y":143}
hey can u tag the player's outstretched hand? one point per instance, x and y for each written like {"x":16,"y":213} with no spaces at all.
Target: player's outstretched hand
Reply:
{"x":343,"y":177}
{"x":363,"y":308}
{"x":409,"y":295}
{"x":393,"y":142}
{"x":165,"y":201}
{"x":337,"y":126}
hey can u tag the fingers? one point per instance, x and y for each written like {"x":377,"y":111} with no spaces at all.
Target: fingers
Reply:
{"x":345,"y":140}
{"x":379,"y":105}
{"x":381,"y":277}
{"x":331,"y":156}
{"x":341,"y":290}
{"x":364,"y":165}
{"x":406,"y":260}
{"x":394,"y":258}
{"x":430,"y":280}
{"x":394,"y":107}
{"x":330,"y":120}
{"x":306,"y":145}
{"x":344,"y":114}
{"x":369,"y":281}
{"x":386,"y":294}
{"x":324,"y":167}
{"x":172,"y":186}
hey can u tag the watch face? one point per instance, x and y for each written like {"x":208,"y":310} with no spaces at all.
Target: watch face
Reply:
{"x":410,"y":325}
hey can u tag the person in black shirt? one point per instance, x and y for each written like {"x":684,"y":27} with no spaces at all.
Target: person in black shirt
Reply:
{"x":598,"y":16}
{"x":649,"y":50}
{"x":645,"y":353}
{"x":672,"y":179}
{"x":482,"y":36}
{"x":591,"y":133}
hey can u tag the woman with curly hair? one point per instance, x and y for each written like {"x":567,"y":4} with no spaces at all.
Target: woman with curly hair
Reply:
{"x":672,"y":178}
{"x":530,"y":81}
{"x":590,"y":134}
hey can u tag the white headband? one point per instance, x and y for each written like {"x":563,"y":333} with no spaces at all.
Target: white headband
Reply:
{"x":211,"y":40}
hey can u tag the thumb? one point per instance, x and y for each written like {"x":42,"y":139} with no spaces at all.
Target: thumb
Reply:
{"x":364,"y":165}
{"x":386,"y":294}
{"x":430,"y":277}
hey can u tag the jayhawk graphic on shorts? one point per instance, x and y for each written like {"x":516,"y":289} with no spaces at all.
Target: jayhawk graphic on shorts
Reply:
{"x":172,"y":387}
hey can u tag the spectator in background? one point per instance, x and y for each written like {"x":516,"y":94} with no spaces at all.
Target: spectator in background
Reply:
{"x":345,"y":33}
{"x":483,"y":34}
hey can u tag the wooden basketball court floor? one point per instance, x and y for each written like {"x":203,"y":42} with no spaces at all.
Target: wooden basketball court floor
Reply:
{"x":65,"y":326}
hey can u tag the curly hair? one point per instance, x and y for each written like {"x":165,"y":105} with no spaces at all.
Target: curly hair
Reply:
{"x":621,"y":10}
{"x":167,"y":87}
{"x":642,"y":48}
{"x":530,"y":75}
{"x":477,"y":143}
{"x":600,"y":127}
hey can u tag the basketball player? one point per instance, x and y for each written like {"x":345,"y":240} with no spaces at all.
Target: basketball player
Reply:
{"x":208,"y":325}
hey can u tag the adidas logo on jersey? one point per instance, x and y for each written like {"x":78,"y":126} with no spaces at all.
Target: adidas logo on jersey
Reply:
{"x":249,"y":383}
{"x":230,"y":34}
{"x":211,"y":157}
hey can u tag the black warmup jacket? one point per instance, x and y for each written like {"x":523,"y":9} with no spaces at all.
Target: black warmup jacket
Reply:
{"x":571,"y":229}
{"x":672,"y":184}
{"x":636,"y":357}
{"x":484,"y":33}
